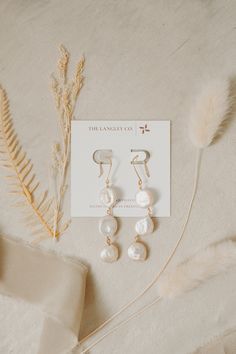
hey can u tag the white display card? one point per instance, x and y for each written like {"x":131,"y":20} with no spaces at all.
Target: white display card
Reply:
{"x":120,"y":137}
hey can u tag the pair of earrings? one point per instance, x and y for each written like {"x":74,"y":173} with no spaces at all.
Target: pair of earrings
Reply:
{"x":108,"y":225}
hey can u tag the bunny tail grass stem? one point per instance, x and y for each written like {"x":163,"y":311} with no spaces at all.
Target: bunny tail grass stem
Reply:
{"x":122,"y":323}
{"x":194,"y":191}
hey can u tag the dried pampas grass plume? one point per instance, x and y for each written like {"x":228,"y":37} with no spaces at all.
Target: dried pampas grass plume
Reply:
{"x":193,"y":272}
{"x":209,"y":113}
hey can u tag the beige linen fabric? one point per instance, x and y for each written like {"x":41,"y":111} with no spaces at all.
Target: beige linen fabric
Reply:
{"x":225,"y":344}
{"x":54,"y":284}
{"x":145,"y":59}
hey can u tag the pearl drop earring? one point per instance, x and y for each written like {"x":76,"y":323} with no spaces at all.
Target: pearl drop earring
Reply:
{"x":107,"y":196}
{"x":137,"y":251}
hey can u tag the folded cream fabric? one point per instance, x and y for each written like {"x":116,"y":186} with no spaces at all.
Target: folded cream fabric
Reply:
{"x":56,"y":285}
{"x":224,"y":344}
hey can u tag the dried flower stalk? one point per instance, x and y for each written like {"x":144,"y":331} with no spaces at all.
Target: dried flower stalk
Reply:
{"x":66,"y":94}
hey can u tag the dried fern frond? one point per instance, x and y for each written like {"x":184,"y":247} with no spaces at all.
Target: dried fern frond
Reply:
{"x":20,"y":176}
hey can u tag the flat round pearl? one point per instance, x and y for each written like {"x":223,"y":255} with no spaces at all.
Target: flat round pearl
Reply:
{"x":144,"y":226}
{"x":109,"y":254}
{"x":108,"y":197}
{"x":144,"y":198}
{"x":108,"y":226}
{"x":137,"y":251}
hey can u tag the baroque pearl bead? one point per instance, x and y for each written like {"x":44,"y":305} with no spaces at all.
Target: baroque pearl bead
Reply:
{"x":144,"y":226}
{"x":108,"y":226}
{"x":109,"y":254}
{"x":108,"y":197}
{"x":144,"y":198}
{"x":137,"y":251}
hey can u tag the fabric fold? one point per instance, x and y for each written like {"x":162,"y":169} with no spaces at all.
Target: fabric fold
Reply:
{"x":223,"y":344}
{"x":55,"y":284}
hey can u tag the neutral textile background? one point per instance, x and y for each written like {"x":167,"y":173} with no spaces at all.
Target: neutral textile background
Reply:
{"x":144,"y":60}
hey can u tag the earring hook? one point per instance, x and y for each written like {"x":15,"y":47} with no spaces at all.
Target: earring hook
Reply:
{"x":144,"y":161}
{"x":133,"y":162}
{"x":109,"y":171}
{"x":103,"y":157}
{"x":147,"y":155}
